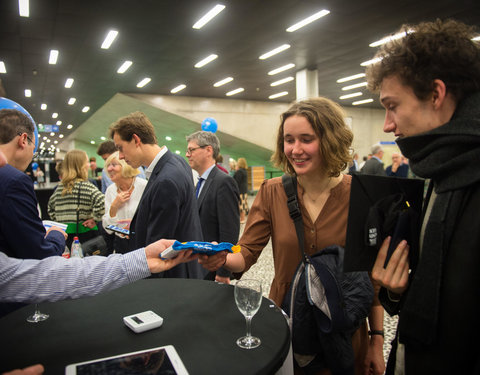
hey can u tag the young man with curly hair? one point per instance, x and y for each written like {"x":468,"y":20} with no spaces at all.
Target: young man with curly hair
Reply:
{"x":429,"y":84}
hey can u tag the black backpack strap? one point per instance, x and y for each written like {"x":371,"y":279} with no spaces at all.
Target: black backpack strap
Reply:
{"x":290,"y":186}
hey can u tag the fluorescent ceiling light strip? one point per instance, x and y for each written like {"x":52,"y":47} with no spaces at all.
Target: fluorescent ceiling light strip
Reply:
{"x":72,"y":101}
{"x":352,"y":95}
{"x":3,"y":69}
{"x":178,"y":88}
{"x":355,"y":86}
{"x":112,"y":34}
{"x":127,"y":64}
{"x":24,"y":8}
{"x":143,"y":82}
{"x":362,"y":102}
{"x":69,"y":126}
{"x":387,"y":39}
{"x":208,"y":16}
{"x":28,"y":93}
{"x":206,"y":60}
{"x":351,"y":78}
{"x":236,"y":91}
{"x":282,"y":81}
{"x":308,"y":20}
{"x":69,"y":82}
{"x":274,"y":96}
{"x":223,"y":82}
{"x":43,"y":107}
{"x":85,"y":109}
{"x":53,"y":57}
{"x":282,"y":48}
{"x":372,"y":61}
{"x":281,"y":69}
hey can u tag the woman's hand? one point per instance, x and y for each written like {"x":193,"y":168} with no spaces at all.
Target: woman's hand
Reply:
{"x":395,"y":276}
{"x":121,"y":198}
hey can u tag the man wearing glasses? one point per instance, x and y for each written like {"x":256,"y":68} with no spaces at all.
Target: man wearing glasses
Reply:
{"x":22,"y":234}
{"x":168,"y":207}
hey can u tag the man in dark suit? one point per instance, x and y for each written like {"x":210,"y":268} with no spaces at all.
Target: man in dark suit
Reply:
{"x":22,"y":234}
{"x":374,"y":165}
{"x":168,"y":208}
{"x":217,"y":195}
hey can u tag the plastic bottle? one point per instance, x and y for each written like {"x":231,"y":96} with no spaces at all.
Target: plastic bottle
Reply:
{"x":77,"y":251}
{"x":66,"y":253}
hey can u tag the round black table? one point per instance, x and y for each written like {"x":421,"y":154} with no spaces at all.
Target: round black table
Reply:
{"x":201,"y":321}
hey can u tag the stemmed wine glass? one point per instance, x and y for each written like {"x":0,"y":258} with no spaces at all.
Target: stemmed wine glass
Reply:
{"x":37,"y":316}
{"x":248,"y":297}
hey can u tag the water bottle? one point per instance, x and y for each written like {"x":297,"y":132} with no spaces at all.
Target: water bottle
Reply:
{"x":66,"y":253}
{"x":76,"y":249}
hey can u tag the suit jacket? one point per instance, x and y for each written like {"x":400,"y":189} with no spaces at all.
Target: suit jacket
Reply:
{"x":219,"y":210}
{"x":22,"y":234}
{"x":168,"y":209}
{"x":373,"y":166}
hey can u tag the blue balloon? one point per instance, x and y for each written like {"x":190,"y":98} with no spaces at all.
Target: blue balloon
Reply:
{"x":10,"y":104}
{"x":209,"y":125}
{"x":34,"y":166}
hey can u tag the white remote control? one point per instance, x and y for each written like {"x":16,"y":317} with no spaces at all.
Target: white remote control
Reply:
{"x":143,"y":321}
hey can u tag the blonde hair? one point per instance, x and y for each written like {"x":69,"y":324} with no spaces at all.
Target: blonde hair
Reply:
{"x":242,"y":163}
{"x":127,"y":171}
{"x":73,"y":169}
{"x":327,"y":121}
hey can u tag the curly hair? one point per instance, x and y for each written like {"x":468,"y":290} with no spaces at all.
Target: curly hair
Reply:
{"x":127,"y":171}
{"x":430,"y":50}
{"x":328,"y":121}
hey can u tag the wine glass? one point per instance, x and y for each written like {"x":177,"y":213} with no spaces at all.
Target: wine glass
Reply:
{"x":37,"y":316}
{"x":248,"y":297}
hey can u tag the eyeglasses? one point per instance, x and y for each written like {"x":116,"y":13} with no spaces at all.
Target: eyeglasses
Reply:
{"x":191,"y":149}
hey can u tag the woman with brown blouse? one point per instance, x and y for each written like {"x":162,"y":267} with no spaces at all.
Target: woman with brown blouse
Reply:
{"x":313,"y":143}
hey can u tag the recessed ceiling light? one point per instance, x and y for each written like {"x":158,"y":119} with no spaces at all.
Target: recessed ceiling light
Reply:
{"x":24,"y":8}
{"x":69,"y":83}
{"x":43,"y":107}
{"x":69,"y":126}
{"x":168,"y":138}
{"x":351,"y":78}
{"x":281,"y":69}
{"x":236,"y":91}
{"x":143,"y":82}
{"x":92,"y":142}
{"x":52,"y":134}
{"x":372,"y":61}
{"x":85,"y":109}
{"x":59,"y":123}
{"x":53,"y":57}
{"x":352,"y":95}
{"x":72,"y":101}
{"x":178,"y":88}
{"x":112,"y":34}
{"x":282,"y":48}
{"x":308,"y":20}
{"x":387,"y":39}
{"x":355,"y":86}
{"x":278,"y":95}
{"x":282,"y":81}
{"x":206,"y":60}
{"x":28,"y":93}
{"x":103,"y":138}
{"x":177,"y":152}
{"x":223,"y":82}
{"x":48,"y":140}
{"x":56,"y":142}
{"x":60,"y":136}
{"x":3,"y":69}
{"x":362,"y":102}
{"x":44,"y":137}
{"x":54,"y":115}
{"x":124,"y":67}
{"x":208,"y":16}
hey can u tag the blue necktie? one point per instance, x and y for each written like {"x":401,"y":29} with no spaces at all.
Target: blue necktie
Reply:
{"x":199,"y":185}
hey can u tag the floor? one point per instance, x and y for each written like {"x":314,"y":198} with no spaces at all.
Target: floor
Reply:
{"x":263,"y":270}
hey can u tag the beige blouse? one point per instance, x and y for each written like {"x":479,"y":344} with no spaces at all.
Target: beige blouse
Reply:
{"x":269,"y":217}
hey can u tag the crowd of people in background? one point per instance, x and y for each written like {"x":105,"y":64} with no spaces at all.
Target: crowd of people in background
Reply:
{"x":431,"y":104}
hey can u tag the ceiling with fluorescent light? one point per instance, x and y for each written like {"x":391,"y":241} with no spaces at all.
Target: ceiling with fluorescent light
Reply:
{"x":157,"y":36}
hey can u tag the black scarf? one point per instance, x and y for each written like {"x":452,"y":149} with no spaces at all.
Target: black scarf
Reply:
{"x":449,"y":155}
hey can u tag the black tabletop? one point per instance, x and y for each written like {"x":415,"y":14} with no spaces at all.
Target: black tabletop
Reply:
{"x":201,"y":321}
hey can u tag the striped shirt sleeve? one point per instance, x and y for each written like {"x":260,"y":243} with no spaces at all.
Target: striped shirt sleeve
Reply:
{"x":56,"y":278}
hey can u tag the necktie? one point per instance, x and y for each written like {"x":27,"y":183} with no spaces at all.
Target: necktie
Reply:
{"x":199,"y":185}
